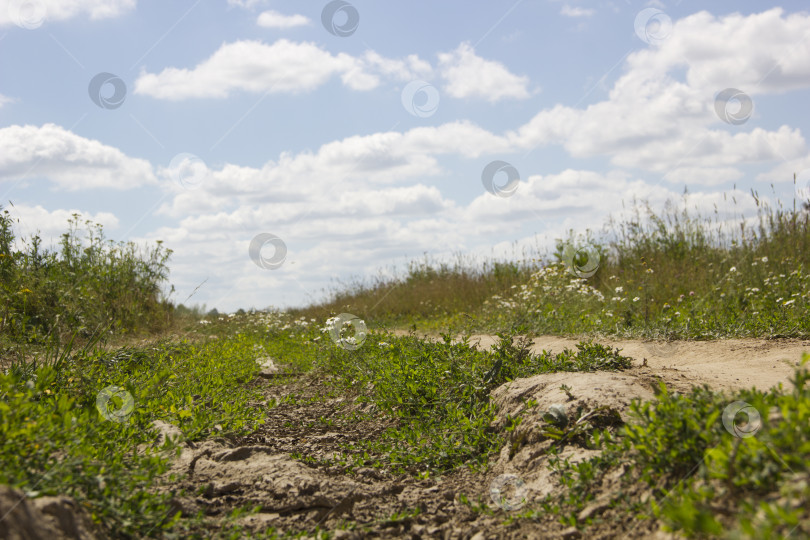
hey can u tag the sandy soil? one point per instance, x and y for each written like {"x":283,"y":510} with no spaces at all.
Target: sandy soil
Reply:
{"x":728,"y":364}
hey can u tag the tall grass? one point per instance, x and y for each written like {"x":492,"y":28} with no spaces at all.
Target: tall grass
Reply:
{"x":679,"y":275}
{"x":46,"y":296}
{"x":429,"y":290}
{"x":673,"y":274}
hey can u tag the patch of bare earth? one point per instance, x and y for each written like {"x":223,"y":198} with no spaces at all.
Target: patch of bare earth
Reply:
{"x":727,"y":364}
{"x":316,"y":492}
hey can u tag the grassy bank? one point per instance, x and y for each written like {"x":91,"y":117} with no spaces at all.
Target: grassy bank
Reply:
{"x":679,"y":275}
{"x":89,"y":285}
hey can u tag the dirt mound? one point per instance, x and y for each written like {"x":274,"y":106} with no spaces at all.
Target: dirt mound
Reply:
{"x":601,"y":398}
{"x":42,"y":518}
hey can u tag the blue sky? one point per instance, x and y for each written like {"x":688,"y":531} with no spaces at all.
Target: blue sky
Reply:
{"x":249,"y":117}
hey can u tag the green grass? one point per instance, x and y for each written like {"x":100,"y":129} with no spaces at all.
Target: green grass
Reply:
{"x":422,"y":295}
{"x":438,"y":394}
{"x":679,"y":275}
{"x":54,"y":439}
{"x":704,"y":480}
{"x":88,"y":285}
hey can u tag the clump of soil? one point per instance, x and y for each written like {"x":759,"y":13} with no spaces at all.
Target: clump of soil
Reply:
{"x":42,"y":518}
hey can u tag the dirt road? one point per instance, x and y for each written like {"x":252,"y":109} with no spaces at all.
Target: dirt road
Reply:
{"x":293,"y":469}
{"x":727,"y":364}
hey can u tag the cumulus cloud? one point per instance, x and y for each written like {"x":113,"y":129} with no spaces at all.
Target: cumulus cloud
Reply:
{"x":572,"y":11}
{"x":785,"y":171}
{"x":467,"y":75}
{"x":659,"y":120}
{"x":51,"y":224}
{"x":284,"y":66}
{"x":19,"y":12}
{"x":288,"y":67}
{"x":706,"y":176}
{"x":357,"y":162}
{"x":246,"y":4}
{"x":70,"y":161}
{"x":274,"y":19}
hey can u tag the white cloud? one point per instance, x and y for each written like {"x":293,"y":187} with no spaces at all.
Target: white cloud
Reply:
{"x":284,"y":66}
{"x":572,"y":11}
{"x":759,"y":53}
{"x":655,"y":121}
{"x":51,"y":224}
{"x":287,"y":66}
{"x":70,"y":161}
{"x":246,"y":4}
{"x":349,"y":225}
{"x":274,"y":19}
{"x":784,"y":172}
{"x":354,"y":163}
{"x":707,"y":176}
{"x":43,"y":11}
{"x":5,"y":100}
{"x":468,"y":75}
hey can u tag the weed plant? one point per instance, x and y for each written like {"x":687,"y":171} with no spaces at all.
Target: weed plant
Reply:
{"x":88,"y":284}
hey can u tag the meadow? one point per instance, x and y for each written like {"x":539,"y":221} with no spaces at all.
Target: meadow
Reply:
{"x":93,"y":354}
